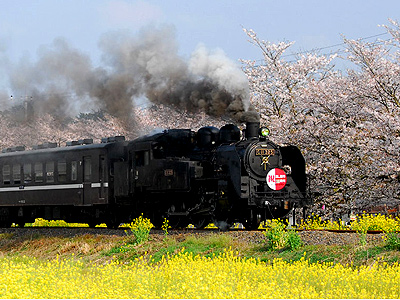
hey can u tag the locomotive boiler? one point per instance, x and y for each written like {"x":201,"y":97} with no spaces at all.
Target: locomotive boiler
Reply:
{"x":188,"y":177}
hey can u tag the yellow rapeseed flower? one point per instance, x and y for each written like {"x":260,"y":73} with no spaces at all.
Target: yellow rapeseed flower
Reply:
{"x":186,"y":275}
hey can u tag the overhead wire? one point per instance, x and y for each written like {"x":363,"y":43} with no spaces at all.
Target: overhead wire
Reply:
{"x":333,"y":46}
{"x":339,"y":51}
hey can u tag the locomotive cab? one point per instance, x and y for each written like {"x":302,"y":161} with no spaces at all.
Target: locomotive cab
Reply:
{"x":162,"y":175}
{"x":159,"y":162}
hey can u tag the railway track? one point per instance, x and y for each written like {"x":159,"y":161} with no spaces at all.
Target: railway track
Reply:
{"x":309,"y":237}
{"x":124,"y":230}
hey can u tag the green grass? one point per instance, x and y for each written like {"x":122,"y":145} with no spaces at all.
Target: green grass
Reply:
{"x":207,"y":246}
{"x":349,"y":254}
{"x":6,"y":236}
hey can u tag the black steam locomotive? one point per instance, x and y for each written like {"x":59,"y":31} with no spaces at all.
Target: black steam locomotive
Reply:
{"x":212,"y":175}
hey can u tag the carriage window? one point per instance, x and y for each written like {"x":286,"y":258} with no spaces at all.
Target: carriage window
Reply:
{"x":74,"y":170}
{"x":27,"y":173}
{"x":17,"y":174}
{"x":6,"y":174}
{"x":87,"y":168}
{"x":50,"y":171}
{"x":62,"y":171}
{"x":38,"y":172}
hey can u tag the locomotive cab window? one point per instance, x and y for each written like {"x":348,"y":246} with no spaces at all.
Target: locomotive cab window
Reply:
{"x":6,"y":174}
{"x":158,"y":151}
{"x":142,"y":158}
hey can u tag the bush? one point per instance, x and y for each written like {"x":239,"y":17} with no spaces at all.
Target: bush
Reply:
{"x":140,"y":228}
{"x":278,"y":237}
{"x":275,"y":234}
{"x":293,"y":240}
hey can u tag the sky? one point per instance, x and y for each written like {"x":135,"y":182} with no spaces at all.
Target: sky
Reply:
{"x":28,"y":25}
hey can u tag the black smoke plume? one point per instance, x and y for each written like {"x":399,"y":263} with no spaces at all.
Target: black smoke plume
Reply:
{"x":64,"y":82}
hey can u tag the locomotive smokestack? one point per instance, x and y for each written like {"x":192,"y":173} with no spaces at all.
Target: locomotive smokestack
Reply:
{"x":252,"y":130}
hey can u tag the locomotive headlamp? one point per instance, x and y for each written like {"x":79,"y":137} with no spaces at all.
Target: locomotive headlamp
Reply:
{"x":264,"y":131}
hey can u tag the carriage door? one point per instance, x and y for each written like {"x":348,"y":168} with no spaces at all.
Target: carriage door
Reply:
{"x":102,"y":176}
{"x":87,"y":180}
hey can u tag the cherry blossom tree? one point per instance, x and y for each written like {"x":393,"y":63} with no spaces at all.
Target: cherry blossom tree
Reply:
{"x":346,"y":125}
{"x":44,"y":128}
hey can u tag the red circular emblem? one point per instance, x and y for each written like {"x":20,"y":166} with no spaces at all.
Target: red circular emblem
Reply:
{"x":276,"y":179}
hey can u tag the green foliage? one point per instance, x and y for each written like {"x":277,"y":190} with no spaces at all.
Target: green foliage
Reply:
{"x":293,"y":240}
{"x":362,"y":238}
{"x":275,"y":234}
{"x":126,"y":247}
{"x":278,"y":237}
{"x":209,"y":245}
{"x":140,"y":227}
{"x":6,"y":236}
{"x":392,"y":241}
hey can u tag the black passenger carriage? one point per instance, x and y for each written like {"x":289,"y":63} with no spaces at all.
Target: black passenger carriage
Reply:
{"x":71,"y":183}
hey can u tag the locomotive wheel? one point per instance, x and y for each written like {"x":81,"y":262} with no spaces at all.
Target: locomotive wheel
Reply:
{"x":253,"y":220}
{"x":180,"y":220}
{"x":184,"y":223}
{"x":223,"y":225}
{"x":157,"y":222}
{"x":5,"y":224}
{"x":174,"y":221}
{"x":113,"y":224}
{"x":92,"y":224}
{"x":251,"y":224}
{"x":200,"y":222}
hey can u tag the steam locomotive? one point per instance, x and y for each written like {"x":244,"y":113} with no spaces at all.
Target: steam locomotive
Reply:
{"x":213,"y":175}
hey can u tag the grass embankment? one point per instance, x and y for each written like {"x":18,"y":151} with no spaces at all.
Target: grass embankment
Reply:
{"x":104,"y":248}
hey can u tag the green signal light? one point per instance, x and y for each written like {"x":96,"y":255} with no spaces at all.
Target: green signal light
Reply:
{"x":264,"y":131}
